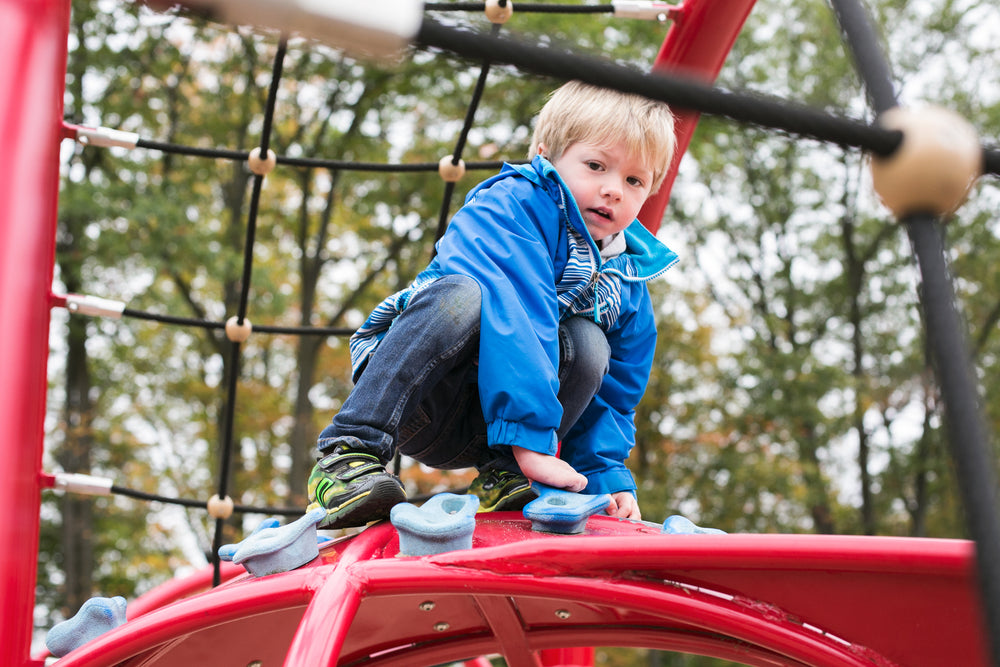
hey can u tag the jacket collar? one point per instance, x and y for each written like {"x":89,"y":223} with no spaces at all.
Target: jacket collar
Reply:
{"x":649,"y":255}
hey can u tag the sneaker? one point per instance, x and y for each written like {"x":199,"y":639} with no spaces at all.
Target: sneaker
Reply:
{"x":353,"y":487}
{"x":502,"y":491}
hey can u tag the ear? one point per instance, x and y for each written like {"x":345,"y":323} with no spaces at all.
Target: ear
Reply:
{"x":542,"y":150}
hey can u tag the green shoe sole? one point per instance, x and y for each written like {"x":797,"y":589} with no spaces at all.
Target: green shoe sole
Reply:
{"x":514,"y":502}
{"x":372,"y":505}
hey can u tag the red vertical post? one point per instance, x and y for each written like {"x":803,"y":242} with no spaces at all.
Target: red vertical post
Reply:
{"x":697,"y":44}
{"x":33,"y":53}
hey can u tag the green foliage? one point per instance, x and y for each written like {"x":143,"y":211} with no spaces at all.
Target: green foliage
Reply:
{"x":820,"y":413}
{"x":165,"y":233}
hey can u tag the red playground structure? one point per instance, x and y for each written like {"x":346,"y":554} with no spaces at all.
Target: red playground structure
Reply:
{"x":532,"y":597}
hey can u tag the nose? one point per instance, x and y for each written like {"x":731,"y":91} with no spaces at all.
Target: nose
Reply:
{"x":612,"y":189}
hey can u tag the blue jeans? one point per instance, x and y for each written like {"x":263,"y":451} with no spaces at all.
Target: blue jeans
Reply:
{"x":419,"y":391}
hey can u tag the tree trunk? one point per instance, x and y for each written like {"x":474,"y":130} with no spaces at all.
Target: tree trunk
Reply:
{"x":303,"y":432}
{"x":818,"y":497}
{"x":74,"y":455}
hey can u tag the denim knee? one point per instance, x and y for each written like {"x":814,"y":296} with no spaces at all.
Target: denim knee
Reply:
{"x":457,"y":302}
{"x":437,"y":332}
{"x":586,"y":353}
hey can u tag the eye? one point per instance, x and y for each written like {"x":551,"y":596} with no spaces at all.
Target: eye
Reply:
{"x":634,"y":181}
{"x":593,"y":165}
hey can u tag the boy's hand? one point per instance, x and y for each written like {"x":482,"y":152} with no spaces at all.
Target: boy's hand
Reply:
{"x":624,"y":506}
{"x":549,"y":470}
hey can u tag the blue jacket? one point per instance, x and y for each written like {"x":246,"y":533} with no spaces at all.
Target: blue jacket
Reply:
{"x":521,"y":237}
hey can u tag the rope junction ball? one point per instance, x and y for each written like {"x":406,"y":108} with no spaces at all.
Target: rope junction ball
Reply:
{"x":933,"y":168}
{"x":449,"y":171}
{"x":260,"y":166}
{"x":237,"y":332}
{"x":498,"y":11}
{"x":220,"y":508}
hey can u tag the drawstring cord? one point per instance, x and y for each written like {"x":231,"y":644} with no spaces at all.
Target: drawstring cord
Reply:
{"x":597,"y":299}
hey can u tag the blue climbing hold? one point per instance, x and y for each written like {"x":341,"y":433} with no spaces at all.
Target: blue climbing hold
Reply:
{"x":95,"y":617}
{"x":678,"y":525}
{"x":563,"y":512}
{"x":444,"y":523}
{"x":227,"y":551}
{"x":271,"y":549}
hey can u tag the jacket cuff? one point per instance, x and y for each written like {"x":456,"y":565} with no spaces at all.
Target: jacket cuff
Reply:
{"x":541,"y":440}
{"x":610,"y":481}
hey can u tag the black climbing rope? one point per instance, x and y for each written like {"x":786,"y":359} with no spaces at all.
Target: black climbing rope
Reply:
{"x":968,"y":438}
{"x":225,"y":462}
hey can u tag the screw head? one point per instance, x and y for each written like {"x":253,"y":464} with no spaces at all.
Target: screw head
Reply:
{"x":441,"y":626}
{"x":563,"y":614}
{"x":427,"y":605}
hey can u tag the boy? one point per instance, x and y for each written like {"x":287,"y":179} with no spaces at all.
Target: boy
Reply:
{"x":525,"y":345}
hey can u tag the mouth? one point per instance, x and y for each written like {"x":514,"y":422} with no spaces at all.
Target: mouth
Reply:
{"x":602,"y":212}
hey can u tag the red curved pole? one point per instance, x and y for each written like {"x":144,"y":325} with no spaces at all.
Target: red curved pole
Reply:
{"x":327,"y":621}
{"x":180,"y":588}
{"x":33,"y":50}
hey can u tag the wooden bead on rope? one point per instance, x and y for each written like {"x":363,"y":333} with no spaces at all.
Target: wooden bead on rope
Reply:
{"x":260,"y":166}
{"x":497,"y":12}
{"x":933,"y":168}
{"x":236,"y":332}
{"x":449,"y":171}
{"x":220,"y":508}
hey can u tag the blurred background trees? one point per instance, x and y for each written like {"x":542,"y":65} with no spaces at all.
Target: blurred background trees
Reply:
{"x":791,"y":391}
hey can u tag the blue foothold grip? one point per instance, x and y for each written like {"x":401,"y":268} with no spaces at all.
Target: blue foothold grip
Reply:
{"x":444,"y":523}
{"x":227,"y":551}
{"x":678,"y":525}
{"x":271,"y":549}
{"x":95,"y":617}
{"x":563,"y":512}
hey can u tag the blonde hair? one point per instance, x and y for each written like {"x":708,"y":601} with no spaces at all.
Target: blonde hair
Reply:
{"x":579,"y":112}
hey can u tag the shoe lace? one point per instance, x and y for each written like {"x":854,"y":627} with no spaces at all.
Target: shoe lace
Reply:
{"x":496,"y":478}
{"x":343,"y":458}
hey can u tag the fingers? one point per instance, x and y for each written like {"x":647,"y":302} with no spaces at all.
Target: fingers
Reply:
{"x":548,"y":470}
{"x":623,"y":506}
{"x":578,"y":483}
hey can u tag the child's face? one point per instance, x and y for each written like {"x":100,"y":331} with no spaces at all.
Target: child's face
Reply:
{"x":609,"y":184}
